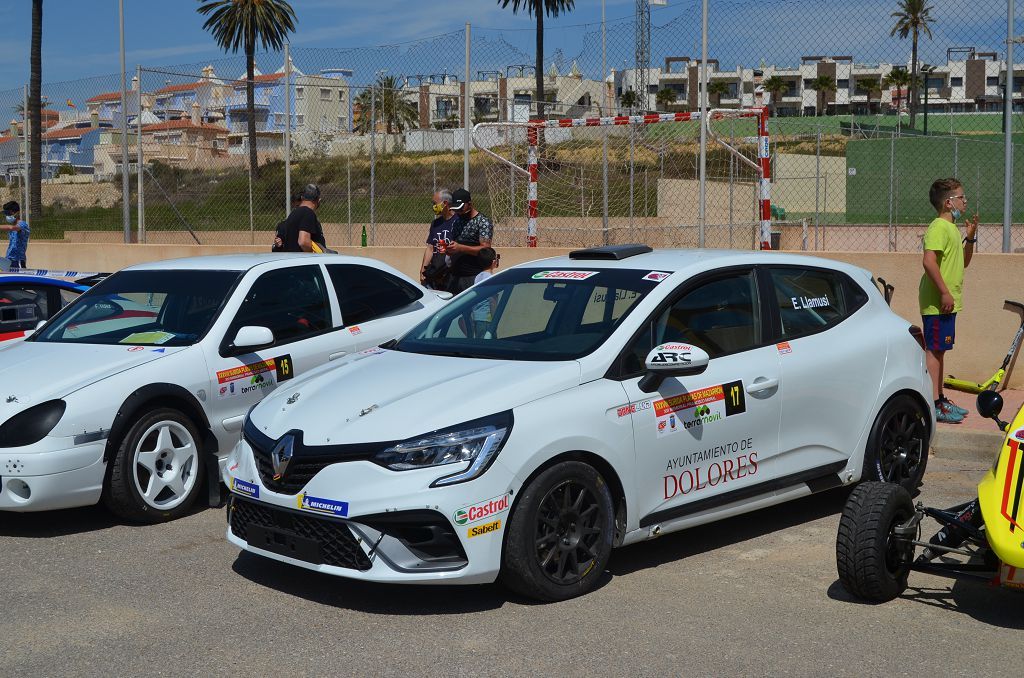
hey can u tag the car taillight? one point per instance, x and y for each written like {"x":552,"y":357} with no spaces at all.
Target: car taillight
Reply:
{"x":918,"y":334}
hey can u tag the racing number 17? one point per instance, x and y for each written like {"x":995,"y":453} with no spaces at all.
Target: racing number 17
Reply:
{"x":735,"y":398}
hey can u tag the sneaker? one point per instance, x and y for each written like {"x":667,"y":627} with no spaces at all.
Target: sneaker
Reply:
{"x":946,"y":416}
{"x":953,"y":407}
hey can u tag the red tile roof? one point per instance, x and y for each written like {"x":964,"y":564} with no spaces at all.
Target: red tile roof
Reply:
{"x":49,"y":113}
{"x":68,"y":132}
{"x":186,"y":87}
{"x":181,"y":124}
{"x":106,"y":96}
{"x":5,"y":139}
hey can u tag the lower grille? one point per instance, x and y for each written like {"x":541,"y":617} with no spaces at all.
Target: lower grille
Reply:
{"x":314,"y":539}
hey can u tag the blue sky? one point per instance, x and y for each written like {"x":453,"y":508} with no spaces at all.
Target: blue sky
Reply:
{"x":80,"y":37}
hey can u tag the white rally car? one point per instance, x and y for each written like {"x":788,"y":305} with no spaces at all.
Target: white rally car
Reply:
{"x":575,"y":404}
{"x":134,"y":392}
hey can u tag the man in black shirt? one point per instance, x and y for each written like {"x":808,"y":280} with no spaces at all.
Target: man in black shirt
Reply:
{"x":279,"y":234}
{"x":473,"y":233}
{"x":434,"y":270}
{"x":302,"y":230}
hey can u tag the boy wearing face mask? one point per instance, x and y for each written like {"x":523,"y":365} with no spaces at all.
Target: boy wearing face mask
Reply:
{"x":17,"y":234}
{"x":940,"y":294}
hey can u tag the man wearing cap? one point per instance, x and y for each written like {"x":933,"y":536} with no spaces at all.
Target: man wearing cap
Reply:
{"x":472,"y":233}
{"x":17,"y":234}
{"x":302,"y":231}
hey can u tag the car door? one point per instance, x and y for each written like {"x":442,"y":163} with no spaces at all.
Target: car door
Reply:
{"x":294,"y":303}
{"x":832,"y":364}
{"x":375,"y":305}
{"x":22,"y":307}
{"x":706,"y":440}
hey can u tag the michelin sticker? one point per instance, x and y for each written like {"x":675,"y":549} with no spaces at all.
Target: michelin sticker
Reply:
{"x":563,"y":275}
{"x":244,"y":488}
{"x":698,"y":408}
{"x":319,"y":505}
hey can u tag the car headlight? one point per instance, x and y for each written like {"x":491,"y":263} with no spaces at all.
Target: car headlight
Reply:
{"x":31,"y":425}
{"x":477,"y":442}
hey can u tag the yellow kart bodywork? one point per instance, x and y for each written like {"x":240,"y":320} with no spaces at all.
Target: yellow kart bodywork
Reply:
{"x":1001,"y":495}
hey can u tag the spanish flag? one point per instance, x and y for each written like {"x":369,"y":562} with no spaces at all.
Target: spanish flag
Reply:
{"x":71,"y":104}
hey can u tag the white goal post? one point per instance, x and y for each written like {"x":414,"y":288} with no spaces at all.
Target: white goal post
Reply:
{"x":549,"y":170}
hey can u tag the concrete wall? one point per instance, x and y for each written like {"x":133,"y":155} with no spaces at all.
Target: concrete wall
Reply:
{"x":984,"y":328}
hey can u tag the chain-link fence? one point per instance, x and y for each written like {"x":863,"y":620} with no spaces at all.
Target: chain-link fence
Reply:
{"x":854,"y":144}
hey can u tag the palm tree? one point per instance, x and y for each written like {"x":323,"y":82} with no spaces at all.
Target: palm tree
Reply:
{"x":718,"y":89}
{"x":870,"y":86}
{"x":35,"y":118}
{"x":665,"y":98}
{"x":243,"y":23}
{"x":823,"y":84}
{"x":628,"y":100}
{"x":538,"y":8}
{"x":389,"y":105}
{"x":912,"y":19}
{"x":898,"y":78}
{"x":775,"y":86}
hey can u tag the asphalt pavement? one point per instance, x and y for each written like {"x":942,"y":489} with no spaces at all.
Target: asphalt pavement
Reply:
{"x":753,"y":595}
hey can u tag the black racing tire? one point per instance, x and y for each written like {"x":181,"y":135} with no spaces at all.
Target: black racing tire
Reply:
{"x":559,"y":536}
{"x":870,"y":563}
{"x":157,"y":472}
{"x":897,"y":450}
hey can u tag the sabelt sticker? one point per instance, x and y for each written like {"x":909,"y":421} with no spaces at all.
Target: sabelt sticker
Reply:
{"x":698,"y":408}
{"x":320,"y":505}
{"x":656,"y":276}
{"x":563,"y":275}
{"x":486,"y":528}
{"x":244,"y":488}
{"x":784,"y":347}
{"x":481,"y":510}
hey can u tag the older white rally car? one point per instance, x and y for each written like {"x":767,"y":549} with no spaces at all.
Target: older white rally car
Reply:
{"x":136,"y":391}
{"x":574,"y":404}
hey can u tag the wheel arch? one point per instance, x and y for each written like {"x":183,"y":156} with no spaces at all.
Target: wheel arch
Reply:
{"x":603,"y":467}
{"x":159,"y":395}
{"x":915,"y":395}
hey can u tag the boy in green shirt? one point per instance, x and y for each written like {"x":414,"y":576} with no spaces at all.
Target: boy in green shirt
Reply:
{"x":941,"y":291}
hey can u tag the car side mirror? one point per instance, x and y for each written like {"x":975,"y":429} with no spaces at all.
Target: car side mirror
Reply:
{"x":252,"y":337}
{"x":672,"y":360}
{"x":989,"y":405}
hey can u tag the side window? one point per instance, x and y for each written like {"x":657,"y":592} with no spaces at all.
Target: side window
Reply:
{"x":720,"y":316}
{"x":67,"y":296}
{"x":810,"y":300}
{"x":365,"y":293}
{"x":292,"y":302}
{"x":21,"y":308}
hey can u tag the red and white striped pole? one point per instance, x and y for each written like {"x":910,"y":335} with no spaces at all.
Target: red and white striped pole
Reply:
{"x":532,"y":136}
{"x":765,"y":183}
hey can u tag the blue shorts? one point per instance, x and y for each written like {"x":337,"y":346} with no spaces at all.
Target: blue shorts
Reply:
{"x":939,"y":331}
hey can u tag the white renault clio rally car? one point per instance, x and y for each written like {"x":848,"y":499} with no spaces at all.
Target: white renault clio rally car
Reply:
{"x":571,"y":405}
{"x":137,"y":389}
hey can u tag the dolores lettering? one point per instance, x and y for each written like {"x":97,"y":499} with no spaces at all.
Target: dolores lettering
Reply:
{"x":703,"y":477}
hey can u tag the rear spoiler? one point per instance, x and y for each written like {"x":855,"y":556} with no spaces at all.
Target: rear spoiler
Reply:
{"x":887,"y":290}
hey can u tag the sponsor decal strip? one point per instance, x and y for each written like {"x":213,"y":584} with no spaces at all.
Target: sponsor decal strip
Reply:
{"x":698,"y":408}
{"x":306,"y":502}
{"x":481,"y":510}
{"x":486,"y":528}
{"x":245,"y":371}
{"x":244,"y":488}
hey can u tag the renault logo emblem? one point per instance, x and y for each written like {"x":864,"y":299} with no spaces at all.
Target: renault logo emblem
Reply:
{"x":281,"y":455}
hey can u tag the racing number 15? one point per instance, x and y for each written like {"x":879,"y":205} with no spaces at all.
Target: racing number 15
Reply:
{"x":735,"y":398}
{"x":285,"y":371}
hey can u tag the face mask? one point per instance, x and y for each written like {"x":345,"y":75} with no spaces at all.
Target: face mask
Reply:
{"x":438,"y":207}
{"x":956,"y":214}
{"x":9,"y":218}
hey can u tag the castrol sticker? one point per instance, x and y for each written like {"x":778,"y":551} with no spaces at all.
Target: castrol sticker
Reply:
{"x":481,"y":510}
{"x":563,"y":275}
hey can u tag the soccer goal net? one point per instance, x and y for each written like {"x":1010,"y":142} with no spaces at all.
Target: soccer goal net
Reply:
{"x":588,"y":181}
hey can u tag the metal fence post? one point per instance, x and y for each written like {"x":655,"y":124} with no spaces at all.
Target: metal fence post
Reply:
{"x":140,"y":198}
{"x":24,"y":158}
{"x":956,"y":155}
{"x":287,"y":129}
{"x":632,"y":130}
{"x":817,"y":180}
{"x":469,"y":120}
{"x":1008,"y":130}
{"x":348,"y":195}
{"x":126,"y":213}
{"x":373,"y":162}
{"x":892,"y":153}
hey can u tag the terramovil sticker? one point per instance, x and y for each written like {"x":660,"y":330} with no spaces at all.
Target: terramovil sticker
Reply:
{"x":244,"y":488}
{"x":480,"y":510}
{"x":698,"y":408}
{"x":656,"y":276}
{"x":563,"y":275}
{"x":254,"y":377}
{"x":320,"y":505}
{"x":784,"y":347}
{"x":486,"y":528}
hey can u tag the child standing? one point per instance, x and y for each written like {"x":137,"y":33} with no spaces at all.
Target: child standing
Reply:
{"x":940,"y":294}
{"x":18,"y":232}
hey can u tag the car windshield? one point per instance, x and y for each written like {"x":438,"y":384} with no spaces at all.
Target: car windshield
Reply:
{"x":532,"y":314}
{"x":144,"y":308}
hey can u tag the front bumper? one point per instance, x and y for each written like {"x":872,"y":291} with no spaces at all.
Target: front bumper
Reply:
{"x":358,"y":520}
{"x":54,"y":477}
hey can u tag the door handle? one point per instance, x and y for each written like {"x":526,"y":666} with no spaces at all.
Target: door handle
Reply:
{"x":762,"y":384}
{"x":339,"y":354}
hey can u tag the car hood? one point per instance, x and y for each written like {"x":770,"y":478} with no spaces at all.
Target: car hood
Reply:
{"x":392,"y":395}
{"x":32,"y":372}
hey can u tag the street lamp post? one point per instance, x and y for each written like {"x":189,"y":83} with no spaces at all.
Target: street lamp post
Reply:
{"x":926,"y":70}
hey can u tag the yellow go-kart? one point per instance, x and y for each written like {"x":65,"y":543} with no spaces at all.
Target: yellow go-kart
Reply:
{"x":879,"y":541}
